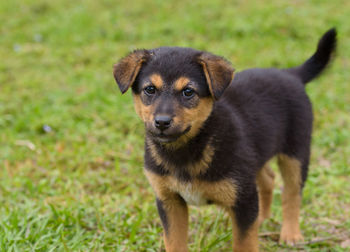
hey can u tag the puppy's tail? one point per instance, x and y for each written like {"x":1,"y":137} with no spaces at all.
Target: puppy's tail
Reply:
{"x":317,"y":63}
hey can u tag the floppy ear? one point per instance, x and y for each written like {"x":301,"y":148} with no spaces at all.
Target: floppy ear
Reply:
{"x":218,"y":72}
{"x":126,"y":71}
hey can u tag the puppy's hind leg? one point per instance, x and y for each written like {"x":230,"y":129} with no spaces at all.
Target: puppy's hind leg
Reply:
{"x":265,"y":181}
{"x":291,"y":170}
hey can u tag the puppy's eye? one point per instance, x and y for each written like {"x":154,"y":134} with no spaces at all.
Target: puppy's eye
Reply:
{"x":188,"y":92}
{"x":150,"y":90}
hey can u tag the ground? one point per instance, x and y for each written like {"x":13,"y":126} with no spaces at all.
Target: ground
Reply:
{"x":71,"y":146}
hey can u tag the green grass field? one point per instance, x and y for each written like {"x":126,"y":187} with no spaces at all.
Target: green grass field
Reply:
{"x":71,"y":147}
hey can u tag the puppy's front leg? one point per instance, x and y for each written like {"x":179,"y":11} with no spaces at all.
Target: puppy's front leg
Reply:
{"x":174,"y":216}
{"x":245,"y":223}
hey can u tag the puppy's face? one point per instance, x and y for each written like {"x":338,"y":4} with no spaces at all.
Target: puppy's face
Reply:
{"x":174,"y":89}
{"x":171,"y":107}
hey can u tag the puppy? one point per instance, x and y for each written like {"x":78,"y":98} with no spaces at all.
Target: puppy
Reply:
{"x":209,"y":136}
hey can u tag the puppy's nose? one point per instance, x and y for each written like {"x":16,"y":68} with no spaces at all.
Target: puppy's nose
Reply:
{"x":162,"y":122}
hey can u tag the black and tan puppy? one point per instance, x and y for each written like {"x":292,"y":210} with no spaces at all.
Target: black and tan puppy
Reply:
{"x":209,"y":136}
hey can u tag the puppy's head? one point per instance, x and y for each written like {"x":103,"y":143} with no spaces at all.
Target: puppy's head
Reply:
{"x":174,"y":89}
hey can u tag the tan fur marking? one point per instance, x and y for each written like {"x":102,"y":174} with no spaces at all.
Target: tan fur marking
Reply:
{"x":203,"y":164}
{"x":167,"y":189}
{"x":159,"y":184}
{"x":180,"y":83}
{"x":126,"y":70}
{"x":222,"y":192}
{"x":177,"y":216}
{"x":291,"y":199}
{"x":197,"y":116}
{"x":144,"y":112}
{"x":265,"y":181}
{"x":247,"y":243}
{"x":176,"y":213}
{"x":207,"y":76}
{"x":157,"y":157}
{"x":156,"y":80}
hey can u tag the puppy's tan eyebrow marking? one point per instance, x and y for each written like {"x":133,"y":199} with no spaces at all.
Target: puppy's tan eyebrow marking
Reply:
{"x":180,"y":83}
{"x":156,"y":80}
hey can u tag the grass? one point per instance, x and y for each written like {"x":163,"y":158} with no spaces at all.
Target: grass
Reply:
{"x":71,"y":147}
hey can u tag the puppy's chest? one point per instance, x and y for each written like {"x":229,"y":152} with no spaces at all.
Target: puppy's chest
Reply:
{"x":190,"y":192}
{"x":199,"y":192}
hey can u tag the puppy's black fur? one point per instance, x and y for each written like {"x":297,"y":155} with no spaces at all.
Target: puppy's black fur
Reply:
{"x":207,"y":132}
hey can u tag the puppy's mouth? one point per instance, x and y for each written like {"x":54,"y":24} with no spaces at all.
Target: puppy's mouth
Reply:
{"x":164,"y":137}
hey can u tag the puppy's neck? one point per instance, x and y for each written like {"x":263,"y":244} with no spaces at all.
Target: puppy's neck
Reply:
{"x":189,"y":159}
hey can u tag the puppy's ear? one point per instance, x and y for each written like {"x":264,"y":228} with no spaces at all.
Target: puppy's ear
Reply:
{"x":218,"y":72}
{"x":127,"y":69}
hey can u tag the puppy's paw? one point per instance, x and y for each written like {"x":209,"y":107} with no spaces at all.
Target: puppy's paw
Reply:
{"x":290,"y":238}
